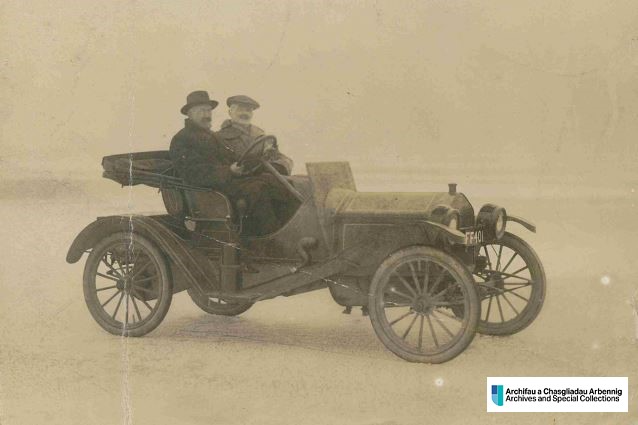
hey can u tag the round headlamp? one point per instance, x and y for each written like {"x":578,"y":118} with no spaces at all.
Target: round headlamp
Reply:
{"x":452,"y":219}
{"x":492,"y":219}
{"x":448,"y":216}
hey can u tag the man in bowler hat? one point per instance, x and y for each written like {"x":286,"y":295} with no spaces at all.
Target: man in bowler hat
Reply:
{"x":238,"y":132}
{"x":200,"y":159}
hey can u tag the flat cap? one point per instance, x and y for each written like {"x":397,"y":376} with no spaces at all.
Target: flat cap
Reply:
{"x":242,"y":100}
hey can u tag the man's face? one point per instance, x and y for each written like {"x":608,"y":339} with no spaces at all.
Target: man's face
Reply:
{"x":241,"y":114}
{"x":201,"y":115}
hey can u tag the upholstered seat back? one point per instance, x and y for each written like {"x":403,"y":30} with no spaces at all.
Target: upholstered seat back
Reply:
{"x":174,"y":202}
{"x":197,"y":205}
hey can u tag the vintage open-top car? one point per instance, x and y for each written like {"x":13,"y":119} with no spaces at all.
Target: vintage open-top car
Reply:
{"x":428,"y":270}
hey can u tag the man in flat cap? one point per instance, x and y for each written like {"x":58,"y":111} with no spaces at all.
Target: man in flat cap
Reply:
{"x":238,"y":133}
{"x":200,"y":159}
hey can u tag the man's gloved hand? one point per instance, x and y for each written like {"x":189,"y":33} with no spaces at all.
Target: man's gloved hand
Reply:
{"x":270,"y":153}
{"x":236,"y":169}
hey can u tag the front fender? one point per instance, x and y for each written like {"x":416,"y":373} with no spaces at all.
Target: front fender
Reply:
{"x":194,"y":266}
{"x":453,"y":235}
{"x":525,"y":223}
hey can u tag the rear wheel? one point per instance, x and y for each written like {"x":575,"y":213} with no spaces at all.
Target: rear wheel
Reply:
{"x":411,"y":299}
{"x":511,"y":287}
{"x":219,"y":306}
{"x":127,"y":285}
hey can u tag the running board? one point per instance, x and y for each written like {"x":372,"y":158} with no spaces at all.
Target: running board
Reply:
{"x":294,"y":280}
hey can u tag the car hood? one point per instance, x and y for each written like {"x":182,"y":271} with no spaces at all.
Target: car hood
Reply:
{"x":419,"y":205}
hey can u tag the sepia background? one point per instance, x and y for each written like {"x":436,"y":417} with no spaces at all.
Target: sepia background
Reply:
{"x":532,"y":105}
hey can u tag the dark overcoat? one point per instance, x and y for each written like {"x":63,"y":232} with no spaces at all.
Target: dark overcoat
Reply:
{"x":200,"y":159}
{"x":238,"y":139}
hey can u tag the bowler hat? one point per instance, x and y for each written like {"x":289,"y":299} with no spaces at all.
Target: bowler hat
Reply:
{"x":242,"y":100}
{"x":199,"y":97}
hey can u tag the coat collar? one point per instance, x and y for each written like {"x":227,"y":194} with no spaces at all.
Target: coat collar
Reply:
{"x":248,"y":130}
{"x":230,"y":123}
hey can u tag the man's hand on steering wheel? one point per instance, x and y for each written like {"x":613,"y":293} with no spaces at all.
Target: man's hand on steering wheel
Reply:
{"x":268,"y":145}
{"x":262,"y":149}
{"x":236,"y":169}
{"x":270,"y":151}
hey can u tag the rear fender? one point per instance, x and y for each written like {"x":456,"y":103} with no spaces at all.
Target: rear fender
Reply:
{"x":195,"y":267}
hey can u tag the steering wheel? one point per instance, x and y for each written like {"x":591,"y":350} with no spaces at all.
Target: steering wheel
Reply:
{"x":259,"y":147}
{"x":250,"y":159}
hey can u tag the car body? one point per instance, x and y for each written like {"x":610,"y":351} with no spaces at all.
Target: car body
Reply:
{"x":418,"y":253}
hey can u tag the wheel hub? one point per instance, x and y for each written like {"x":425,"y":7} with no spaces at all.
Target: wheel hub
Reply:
{"x":494,"y":280}
{"x":125,"y":284}
{"x":423,"y":305}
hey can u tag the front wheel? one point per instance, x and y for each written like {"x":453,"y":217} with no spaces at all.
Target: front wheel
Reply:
{"x":127,"y":284}
{"x":511,"y":286}
{"x":411,"y":301}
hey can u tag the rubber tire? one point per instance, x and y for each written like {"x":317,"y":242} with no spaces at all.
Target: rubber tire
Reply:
{"x":535,"y":305}
{"x":90,"y":269}
{"x":376,"y":312}
{"x":216,"y":308}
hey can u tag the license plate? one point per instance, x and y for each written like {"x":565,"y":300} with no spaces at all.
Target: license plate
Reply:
{"x":474,"y":237}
